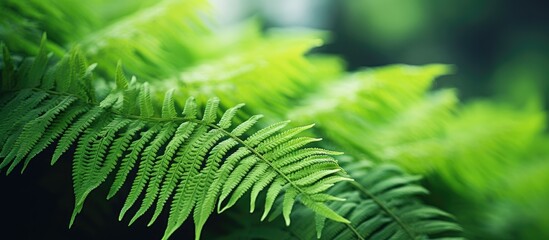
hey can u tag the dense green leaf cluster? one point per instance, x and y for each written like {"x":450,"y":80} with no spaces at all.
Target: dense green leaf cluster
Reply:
{"x":194,"y":163}
{"x":382,"y":204}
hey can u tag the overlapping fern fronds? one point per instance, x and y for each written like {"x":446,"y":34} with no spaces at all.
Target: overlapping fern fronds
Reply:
{"x":268,"y":76}
{"x":23,"y":23}
{"x":170,"y":42}
{"x":152,"y":42}
{"x":395,"y":118}
{"x":382,"y":204}
{"x":192,"y":162}
{"x":502,"y":135}
{"x":470,"y":149}
{"x":368,"y":102}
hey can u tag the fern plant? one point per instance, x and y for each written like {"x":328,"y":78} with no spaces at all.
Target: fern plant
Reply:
{"x":188,"y":162}
{"x":180,"y":157}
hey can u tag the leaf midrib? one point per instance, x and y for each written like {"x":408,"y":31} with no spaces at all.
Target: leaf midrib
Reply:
{"x":385,"y":208}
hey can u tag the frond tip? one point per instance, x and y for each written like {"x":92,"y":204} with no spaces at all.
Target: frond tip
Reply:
{"x":186,"y":161}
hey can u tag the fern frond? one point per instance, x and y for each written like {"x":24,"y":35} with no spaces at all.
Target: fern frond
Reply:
{"x":503,"y":136}
{"x":23,"y":23}
{"x":274,"y":67}
{"x":425,"y":123}
{"x":152,"y":42}
{"x":155,"y":43}
{"x":176,"y":156}
{"x":384,"y":203}
{"x":370,"y":100}
{"x":394,"y":118}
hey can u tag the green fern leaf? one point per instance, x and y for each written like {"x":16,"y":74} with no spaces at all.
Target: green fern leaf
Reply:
{"x":366,"y":214}
{"x":145,"y":102}
{"x":17,"y":128}
{"x":98,"y":152}
{"x":74,"y":131}
{"x":129,"y":160}
{"x":383,"y":205}
{"x":38,"y":67}
{"x":182,"y":133}
{"x":196,"y":162}
{"x":117,"y":149}
{"x":146,"y":166}
{"x":168,"y":107}
{"x":8,"y":69}
{"x":33,"y":131}
{"x":58,"y":126}
{"x":120,"y":79}
{"x":15,"y":108}
{"x":205,"y":202}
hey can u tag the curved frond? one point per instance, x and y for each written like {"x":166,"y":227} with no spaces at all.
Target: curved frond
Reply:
{"x":184,"y":162}
{"x":372,"y":100}
{"x":275,"y":67}
{"x":384,"y":203}
{"x":503,"y":137}
{"x":152,"y":41}
{"x":23,"y":23}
